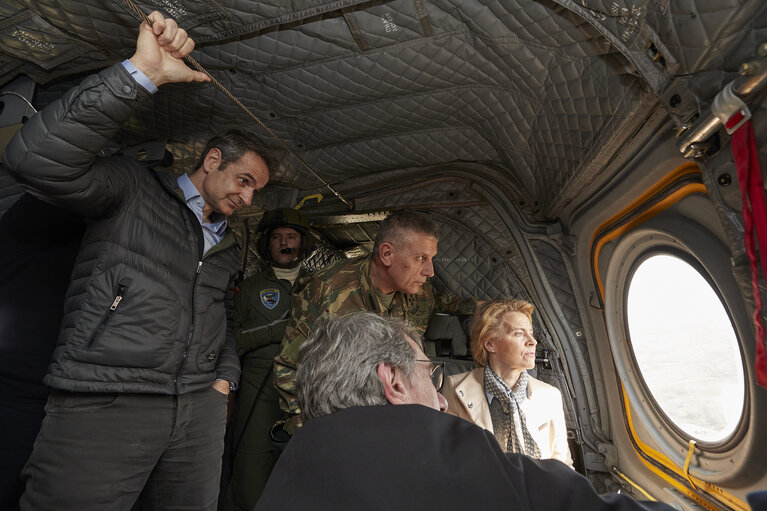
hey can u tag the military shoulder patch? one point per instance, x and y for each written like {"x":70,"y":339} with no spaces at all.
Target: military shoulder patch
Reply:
{"x":270,"y":298}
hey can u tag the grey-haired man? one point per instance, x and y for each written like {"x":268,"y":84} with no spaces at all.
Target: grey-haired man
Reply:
{"x":355,"y":452}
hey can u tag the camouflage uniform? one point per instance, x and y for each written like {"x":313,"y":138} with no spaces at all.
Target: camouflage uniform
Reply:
{"x":344,"y":288}
{"x":261,"y":311}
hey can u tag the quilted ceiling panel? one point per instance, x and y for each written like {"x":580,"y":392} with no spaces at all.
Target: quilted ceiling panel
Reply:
{"x":533,"y":91}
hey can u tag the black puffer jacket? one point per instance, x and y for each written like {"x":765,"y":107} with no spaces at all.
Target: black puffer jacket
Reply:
{"x":145,"y":312}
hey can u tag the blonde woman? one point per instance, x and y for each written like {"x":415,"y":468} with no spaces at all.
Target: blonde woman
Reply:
{"x":524,"y":414}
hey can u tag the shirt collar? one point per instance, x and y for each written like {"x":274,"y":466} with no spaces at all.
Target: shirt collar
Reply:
{"x":186,"y":185}
{"x":367,"y":289}
{"x":218,"y":224}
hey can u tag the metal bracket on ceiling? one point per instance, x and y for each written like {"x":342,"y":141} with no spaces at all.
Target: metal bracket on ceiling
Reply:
{"x":731,"y":111}
{"x":729,"y":108}
{"x":152,"y":153}
{"x":350,"y":218}
{"x":16,"y":97}
{"x":302,"y":202}
{"x":15,"y":107}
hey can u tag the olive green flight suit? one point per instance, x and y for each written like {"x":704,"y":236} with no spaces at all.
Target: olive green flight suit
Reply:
{"x":344,"y":288}
{"x":261,"y":311}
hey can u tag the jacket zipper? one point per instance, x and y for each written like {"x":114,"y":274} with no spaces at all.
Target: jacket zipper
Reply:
{"x":107,"y":315}
{"x":197,"y":228}
{"x":193,"y":224}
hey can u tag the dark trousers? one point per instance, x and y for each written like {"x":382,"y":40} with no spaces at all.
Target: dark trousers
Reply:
{"x":253,"y":456}
{"x":19,"y":423}
{"x":99,"y":451}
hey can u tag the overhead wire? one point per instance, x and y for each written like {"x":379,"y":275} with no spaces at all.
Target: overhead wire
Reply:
{"x":194,"y":64}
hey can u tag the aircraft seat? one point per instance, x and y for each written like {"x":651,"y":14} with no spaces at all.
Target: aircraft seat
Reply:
{"x":446,"y":340}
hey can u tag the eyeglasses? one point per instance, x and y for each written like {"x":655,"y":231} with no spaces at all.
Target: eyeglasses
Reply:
{"x":437,"y":374}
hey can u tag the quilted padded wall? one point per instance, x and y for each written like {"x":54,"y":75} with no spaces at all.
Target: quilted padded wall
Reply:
{"x":541,"y":91}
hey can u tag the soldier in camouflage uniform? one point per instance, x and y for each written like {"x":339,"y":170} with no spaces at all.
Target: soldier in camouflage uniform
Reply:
{"x":392,"y":281}
{"x":261,"y":312}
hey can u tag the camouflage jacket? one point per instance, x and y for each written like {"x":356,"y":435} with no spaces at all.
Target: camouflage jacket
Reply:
{"x":344,"y":288}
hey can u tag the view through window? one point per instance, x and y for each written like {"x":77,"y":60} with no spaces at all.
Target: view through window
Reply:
{"x":686,"y":348}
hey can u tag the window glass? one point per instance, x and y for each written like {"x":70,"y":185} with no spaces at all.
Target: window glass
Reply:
{"x":686,"y":349}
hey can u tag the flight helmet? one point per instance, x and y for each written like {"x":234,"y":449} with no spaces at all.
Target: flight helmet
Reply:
{"x":284,"y":217}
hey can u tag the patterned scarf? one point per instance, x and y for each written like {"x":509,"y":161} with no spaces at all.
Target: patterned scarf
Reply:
{"x":506,"y":413}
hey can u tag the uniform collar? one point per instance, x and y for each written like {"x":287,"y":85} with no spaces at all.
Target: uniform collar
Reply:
{"x":369,"y":292}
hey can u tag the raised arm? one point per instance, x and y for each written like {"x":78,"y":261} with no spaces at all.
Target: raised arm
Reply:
{"x":160,"y":48}
{"x":55,"y":155}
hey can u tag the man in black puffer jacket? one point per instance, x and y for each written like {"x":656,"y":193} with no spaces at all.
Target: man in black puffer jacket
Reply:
{"x":145,"y":357}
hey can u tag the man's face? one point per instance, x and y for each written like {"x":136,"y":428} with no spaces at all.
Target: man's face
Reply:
{"x":419,"y":388}
{"x":231,"y":188}
{"x":283,"y":238}
{"x":411,"y":262}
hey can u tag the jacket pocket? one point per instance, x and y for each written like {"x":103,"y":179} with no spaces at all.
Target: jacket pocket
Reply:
{"x":120,"y":292}
{"x":212,"y":336}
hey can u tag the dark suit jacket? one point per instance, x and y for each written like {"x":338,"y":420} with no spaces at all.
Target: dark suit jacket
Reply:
{"x":412,"y":457}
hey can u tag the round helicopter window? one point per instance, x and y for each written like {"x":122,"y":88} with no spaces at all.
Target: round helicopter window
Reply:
{"x":686,"y":348}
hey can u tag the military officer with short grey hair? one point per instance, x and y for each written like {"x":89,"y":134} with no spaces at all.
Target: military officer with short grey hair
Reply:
{"x":391,"y":281}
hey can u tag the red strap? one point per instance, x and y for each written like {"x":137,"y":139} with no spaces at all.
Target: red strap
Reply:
{"x":746,"y":156}
{"x":735,"y":119}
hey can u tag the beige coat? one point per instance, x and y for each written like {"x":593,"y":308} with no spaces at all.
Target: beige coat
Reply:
{"x":465,"y":394}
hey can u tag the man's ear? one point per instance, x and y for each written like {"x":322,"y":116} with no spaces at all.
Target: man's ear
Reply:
{"x":391,"y":378}
{"x":385,"y":253}
{"x":212,"y":160}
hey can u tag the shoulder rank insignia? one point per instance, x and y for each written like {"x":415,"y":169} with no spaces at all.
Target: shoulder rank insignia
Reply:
{"x":270,"y":298}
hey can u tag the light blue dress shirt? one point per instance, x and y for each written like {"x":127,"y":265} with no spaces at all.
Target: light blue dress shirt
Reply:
{"x":140,"y":77}
{"x":212,"y":232}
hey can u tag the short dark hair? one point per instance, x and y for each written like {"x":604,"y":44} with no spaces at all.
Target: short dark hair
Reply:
{"x":395,"y":227}
{"x":234,"y":143}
